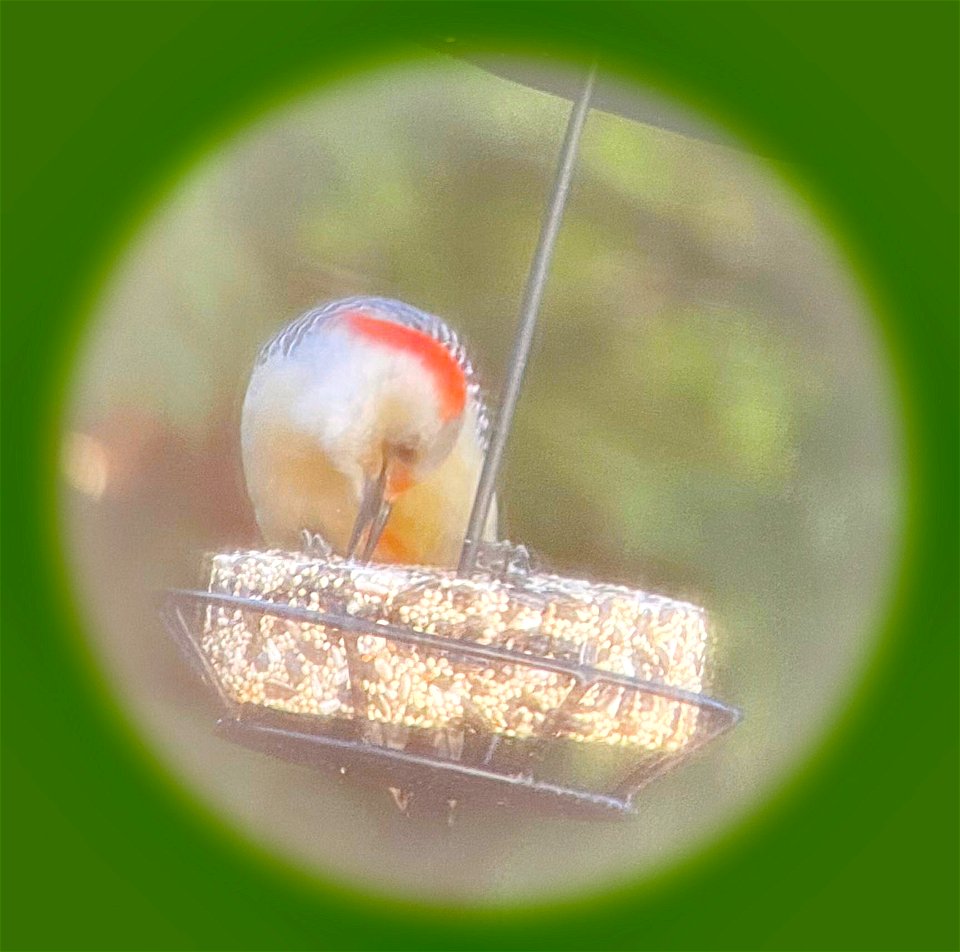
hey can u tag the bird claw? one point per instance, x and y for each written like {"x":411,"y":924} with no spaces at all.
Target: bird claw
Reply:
{"x":506,"y":560}
{"x":314,"y":544}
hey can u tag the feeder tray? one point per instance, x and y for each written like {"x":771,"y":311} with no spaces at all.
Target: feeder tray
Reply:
{"x":454,"y":688}
{"x":492,"y":683}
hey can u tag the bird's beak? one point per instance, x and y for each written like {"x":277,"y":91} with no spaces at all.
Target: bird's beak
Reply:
{"x":371,"y":519}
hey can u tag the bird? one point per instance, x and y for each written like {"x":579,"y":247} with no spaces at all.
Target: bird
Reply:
{"x":364,"y":427}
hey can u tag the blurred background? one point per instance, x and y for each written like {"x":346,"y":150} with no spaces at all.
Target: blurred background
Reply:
{"x":707,"y":414}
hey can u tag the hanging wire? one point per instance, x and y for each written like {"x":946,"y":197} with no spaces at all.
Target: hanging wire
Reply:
{"x":529,"y":310}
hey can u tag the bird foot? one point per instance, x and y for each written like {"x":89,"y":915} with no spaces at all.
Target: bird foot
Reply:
{"x":505,"y":560}
{"x":314,"y":544}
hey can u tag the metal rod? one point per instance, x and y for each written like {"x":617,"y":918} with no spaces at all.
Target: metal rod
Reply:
{"x":533,"y":294}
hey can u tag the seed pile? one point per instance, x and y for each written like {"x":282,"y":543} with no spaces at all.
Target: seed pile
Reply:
{"x":304,"y":667}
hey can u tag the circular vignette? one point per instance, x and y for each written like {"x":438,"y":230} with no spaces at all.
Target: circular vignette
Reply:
{"x":138,"y":226}
{"x":698,"y":852}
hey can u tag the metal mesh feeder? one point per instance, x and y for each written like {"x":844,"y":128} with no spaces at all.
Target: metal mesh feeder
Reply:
{"x":492,"y":683}
{"x":480,"y":688}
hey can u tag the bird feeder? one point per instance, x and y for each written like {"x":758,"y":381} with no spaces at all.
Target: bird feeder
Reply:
{"x":495,"y":682}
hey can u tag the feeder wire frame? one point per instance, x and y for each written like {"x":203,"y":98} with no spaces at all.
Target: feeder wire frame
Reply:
{"x":276,"y":732}
{"x":300,"y":738}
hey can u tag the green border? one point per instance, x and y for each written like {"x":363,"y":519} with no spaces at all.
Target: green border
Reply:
{"x":103,"y":103}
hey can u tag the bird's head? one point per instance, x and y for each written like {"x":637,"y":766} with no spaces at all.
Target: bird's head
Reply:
{"x":387,"y":408}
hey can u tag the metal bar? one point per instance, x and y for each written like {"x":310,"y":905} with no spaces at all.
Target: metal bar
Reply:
{"x":528,"y":319}
{"x":637,"y":778}
{"x":171,"y":616}
{"x":557,"y":720}
{"x":468,"y":649}
{"x":402,"y":758}
{"x":361,"y":703}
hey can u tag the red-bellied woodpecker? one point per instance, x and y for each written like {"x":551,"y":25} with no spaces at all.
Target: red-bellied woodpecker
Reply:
{"x":363,"y":423}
